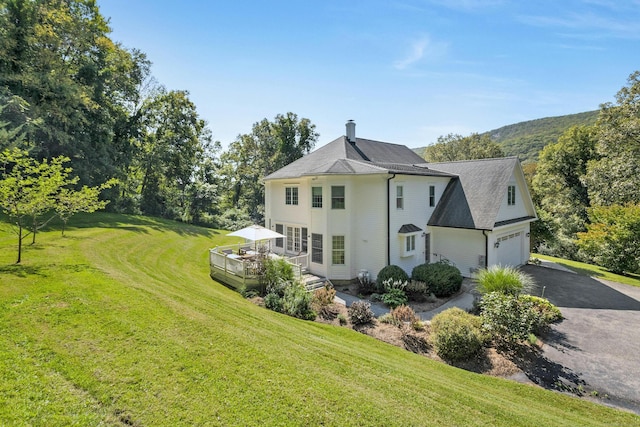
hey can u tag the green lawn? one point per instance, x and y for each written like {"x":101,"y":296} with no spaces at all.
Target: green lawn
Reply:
{"x":593,"y":270}
{"x":118,"y":323}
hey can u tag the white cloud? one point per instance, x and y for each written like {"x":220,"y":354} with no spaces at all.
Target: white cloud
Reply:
{"x":420,"y":49}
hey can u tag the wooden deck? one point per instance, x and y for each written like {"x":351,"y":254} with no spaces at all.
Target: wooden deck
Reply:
{"x":237,"y":266}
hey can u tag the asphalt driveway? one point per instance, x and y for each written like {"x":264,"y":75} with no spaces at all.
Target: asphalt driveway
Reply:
{"x":595,"y":350}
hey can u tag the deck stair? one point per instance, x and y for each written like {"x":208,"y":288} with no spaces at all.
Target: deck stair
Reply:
{"x":313,"y":282}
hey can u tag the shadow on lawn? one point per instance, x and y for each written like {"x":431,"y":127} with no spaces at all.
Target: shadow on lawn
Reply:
{"x":22,"y":270}
{"x":138,"y":224}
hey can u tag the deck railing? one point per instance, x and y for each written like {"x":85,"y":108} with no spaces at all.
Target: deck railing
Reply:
{"x":242,"y":270}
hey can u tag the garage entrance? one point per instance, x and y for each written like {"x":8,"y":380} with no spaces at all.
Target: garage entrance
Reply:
{"x":510,"y":249}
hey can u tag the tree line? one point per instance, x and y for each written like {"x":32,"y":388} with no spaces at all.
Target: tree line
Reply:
{"x":71,"y":95}
{"x":67,"y":90}
{"x":585,"y":186}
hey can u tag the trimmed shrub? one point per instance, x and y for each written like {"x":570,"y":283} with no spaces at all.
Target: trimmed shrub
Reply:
{"x":360,"y":313}
{"x":506,"y":280}
{"x":442,"y":278}
{"x":456,"y":334}
{"x":509,"y":319}
{"x":549,"y":312}
{"x":394,"y":298}
{"x":392,"y":272}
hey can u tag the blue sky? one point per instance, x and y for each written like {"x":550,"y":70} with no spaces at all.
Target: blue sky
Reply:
{"x":406,"y":71}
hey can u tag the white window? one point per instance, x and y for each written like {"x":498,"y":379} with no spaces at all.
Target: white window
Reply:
{"x":291,"y":195}
{"x":293,"y":239}
{"x":316,"y":248}
{"x":432,"y":195}
{"x":399,"y":197}
{"x":511,"y":195}
{"x":337,"y":250}
{"x":337,"y":197}
{"x":410,"y":243}
{"x":316,"y":197}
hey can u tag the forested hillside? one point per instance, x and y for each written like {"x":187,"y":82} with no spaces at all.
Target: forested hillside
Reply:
{"x":69,"y":93}
{"x":527,"y":139}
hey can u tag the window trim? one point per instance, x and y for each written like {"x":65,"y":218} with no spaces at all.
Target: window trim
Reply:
{"x":338,"y":251}
{"x":291,"y":196}
{"x":399,"y":197}
{"x":511,"y":195}
{"x":338,"y":201}
{"x":432,"y":196}
{"x":316,"y":250}
{"x":316,"y":199}
{"x":410,"y":243}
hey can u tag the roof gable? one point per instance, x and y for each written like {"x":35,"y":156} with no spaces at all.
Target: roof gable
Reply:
{"x":473,"y":200}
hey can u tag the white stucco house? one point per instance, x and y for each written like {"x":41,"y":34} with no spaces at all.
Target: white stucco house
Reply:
{"x":358,"y":205}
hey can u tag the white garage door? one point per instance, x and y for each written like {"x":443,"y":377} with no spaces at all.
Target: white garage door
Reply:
{"x":510,"y":249}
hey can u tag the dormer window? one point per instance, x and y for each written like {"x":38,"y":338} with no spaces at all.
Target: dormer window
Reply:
{"x":511,"y":195}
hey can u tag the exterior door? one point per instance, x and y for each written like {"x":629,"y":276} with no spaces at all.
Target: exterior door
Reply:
{"x":427,"y":248}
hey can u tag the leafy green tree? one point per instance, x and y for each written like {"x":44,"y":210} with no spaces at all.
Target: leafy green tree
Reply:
{"x":614,"y":177}
{"x":28,"y":189}
{"x":457,"y":147}
{"x":612,"y":238}
{"x":87,"y":199}
{"x":559,"y":184}
{"x":57,"y":57}
{"x":169,"y":150}
{"x":269,"y":147}
{"x":31,"y":189}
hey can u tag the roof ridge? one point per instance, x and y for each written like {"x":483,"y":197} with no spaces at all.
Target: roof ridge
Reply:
{"x":476,"y":160}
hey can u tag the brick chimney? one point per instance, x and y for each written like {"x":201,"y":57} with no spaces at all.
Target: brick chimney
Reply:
{"x":351,"y":131}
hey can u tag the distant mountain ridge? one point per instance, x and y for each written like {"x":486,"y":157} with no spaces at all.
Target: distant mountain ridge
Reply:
{"x":526,"y":139}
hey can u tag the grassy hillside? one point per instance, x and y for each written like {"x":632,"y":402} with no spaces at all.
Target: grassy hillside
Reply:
{"x":119,"y":324}
{"x":526,"y":139}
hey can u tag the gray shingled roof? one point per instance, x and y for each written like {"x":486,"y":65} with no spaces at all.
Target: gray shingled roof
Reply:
{"x":409,"y":228}
{"x":364,"y":157}
{"x":474,"y":198}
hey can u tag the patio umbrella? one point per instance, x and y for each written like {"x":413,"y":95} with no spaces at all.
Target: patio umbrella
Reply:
{"x":255,"y":233}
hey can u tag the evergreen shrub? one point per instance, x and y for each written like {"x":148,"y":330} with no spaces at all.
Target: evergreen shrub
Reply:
{"x":393,"y":272}
{"x":456,"y":334}
{"x":442,"y":278}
